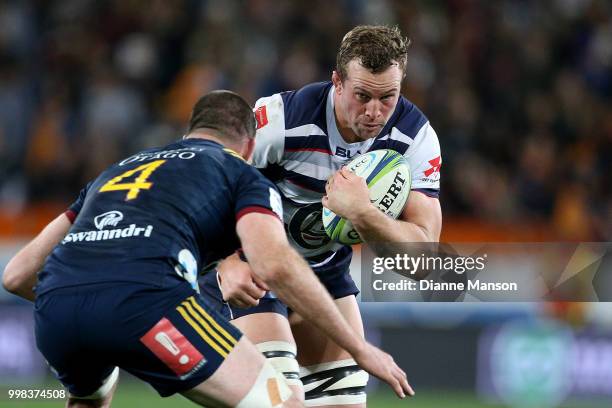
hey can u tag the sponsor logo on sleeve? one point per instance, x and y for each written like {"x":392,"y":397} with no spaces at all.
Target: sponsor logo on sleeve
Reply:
{"x":432,"y":174}
{"x":261,"y":116}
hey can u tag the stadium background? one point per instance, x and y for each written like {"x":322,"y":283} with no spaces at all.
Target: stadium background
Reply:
{"x":519,"y":93}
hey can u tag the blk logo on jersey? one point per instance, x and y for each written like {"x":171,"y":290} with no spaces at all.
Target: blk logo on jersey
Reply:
{"x":261,"y":116}
{"x":342,"y":152}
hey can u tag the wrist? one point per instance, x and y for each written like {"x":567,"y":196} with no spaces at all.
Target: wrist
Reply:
{"x":360,"y":347}
{"x":361,"y":215}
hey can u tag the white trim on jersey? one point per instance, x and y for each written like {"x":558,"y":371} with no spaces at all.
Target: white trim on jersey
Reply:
{"x":425,"y":147}
{"x":312,"y":170}
{"x":396,"y":134}
{"x":304,"y":130}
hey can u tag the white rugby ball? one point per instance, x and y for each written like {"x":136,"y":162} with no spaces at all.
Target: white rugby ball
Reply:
{"x":388,"y":176}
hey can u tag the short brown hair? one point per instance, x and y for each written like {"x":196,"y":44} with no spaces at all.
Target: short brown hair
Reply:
{"x":225,"y":112}
{"x":375,"y":47}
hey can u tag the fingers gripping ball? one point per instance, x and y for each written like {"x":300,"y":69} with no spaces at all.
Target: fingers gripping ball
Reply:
{"x":388,"y":177}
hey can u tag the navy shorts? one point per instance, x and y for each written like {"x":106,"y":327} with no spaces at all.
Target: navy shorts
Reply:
{"x":335,"y":277}
{"x":166,"y":337}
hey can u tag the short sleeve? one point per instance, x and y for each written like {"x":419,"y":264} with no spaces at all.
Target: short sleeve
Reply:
{"x":75,"y":208}
{"x":425,"y":161}
{"x":256,"y":194}
{"x":270,"y":136}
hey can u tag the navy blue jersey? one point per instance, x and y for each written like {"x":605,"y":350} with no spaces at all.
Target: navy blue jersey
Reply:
{"x":174,"y":207}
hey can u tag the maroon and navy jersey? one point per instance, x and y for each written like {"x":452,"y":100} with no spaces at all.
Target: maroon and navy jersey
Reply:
{"x":165,"y":211}
{"x":299,"y":147}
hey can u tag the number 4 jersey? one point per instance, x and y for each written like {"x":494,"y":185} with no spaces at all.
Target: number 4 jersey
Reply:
{"x":299,"y":147}
{"x":158,"y":215}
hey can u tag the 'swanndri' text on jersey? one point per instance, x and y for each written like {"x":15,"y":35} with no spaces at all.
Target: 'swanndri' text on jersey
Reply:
{"x":176,"y":205}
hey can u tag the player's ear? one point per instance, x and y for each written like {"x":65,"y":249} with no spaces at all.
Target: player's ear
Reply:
{"x":337,"y":81}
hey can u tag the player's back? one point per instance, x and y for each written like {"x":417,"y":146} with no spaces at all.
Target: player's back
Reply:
{"x":152,"y":211}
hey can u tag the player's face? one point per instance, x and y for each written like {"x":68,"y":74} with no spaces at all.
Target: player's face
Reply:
{"x":365,"y":101}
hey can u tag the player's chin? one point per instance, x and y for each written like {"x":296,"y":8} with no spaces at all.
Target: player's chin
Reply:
{"x":368,"y":132}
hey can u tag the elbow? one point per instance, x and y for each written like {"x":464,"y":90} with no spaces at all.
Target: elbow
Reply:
{"x":11,"y":281}
{"x":15,"y":280}
{"x":272,"y":273}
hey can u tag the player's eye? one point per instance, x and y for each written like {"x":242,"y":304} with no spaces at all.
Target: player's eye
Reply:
{"x":362,"y":97}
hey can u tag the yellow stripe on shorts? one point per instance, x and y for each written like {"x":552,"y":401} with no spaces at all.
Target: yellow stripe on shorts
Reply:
{"x":212,"y":321}
{"x":201,"y":332}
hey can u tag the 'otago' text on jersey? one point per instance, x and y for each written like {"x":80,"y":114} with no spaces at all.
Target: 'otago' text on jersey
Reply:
{"x":158,"y":214}
{"x":299,"y":147}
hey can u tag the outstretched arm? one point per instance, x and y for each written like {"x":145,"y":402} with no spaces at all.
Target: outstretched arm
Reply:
{"x":20,"y":274}
{"x":274,"y":261}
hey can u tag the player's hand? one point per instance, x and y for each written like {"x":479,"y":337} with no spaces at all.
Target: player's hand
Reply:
{"x":381,"y":365}
{"x":347,"y":194}
{"x":239,"y":286}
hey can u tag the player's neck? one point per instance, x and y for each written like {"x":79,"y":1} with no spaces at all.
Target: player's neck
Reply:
{"x":211,"y":134}
{"x":206,"y":134}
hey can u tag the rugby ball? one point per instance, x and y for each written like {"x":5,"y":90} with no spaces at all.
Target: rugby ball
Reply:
{"x":388,"y":176}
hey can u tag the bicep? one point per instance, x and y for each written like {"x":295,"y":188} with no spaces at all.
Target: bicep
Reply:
{"x":260,"y":235}
{"x":22,"y":268}
{"x":425,"y":212}
{"x":49,"y":237}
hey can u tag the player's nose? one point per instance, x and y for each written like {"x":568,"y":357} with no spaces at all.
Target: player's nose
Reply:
{"x":373,"y":108}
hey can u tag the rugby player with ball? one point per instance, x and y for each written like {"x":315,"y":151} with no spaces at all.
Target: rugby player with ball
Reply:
{"x":304,"y":139}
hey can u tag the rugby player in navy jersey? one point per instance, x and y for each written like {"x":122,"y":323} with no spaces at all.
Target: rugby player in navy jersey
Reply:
{"x":304,"y":138}
{"x":119,"y":288}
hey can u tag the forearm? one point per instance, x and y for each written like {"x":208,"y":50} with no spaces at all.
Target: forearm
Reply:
{"x":374,"y":226}
{"x":299,"y":288}
{"x":20,"y":274}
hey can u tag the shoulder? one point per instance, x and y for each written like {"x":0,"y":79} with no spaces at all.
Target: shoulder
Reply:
{"x":306,"y":105}
{"x":408,"y":118}
{"x":293,"y":108}
{"x":407,"y":130}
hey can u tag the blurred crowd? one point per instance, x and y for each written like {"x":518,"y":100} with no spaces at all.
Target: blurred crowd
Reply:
{"x":518,"y":91}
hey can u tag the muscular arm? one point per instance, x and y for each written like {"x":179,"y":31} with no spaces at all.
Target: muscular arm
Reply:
{"x":274,"y":261}
{"x":348,"y":196}
{"x":421,"y":221}
{"x":19,"y":276}
{"x":283,"y":269}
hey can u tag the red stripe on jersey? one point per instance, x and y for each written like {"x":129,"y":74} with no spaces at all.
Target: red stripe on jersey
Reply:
{"x":172,"y":348}
{"x":254,"y":209}
{"x":309,"y":149}
{"x":71,"y":215}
